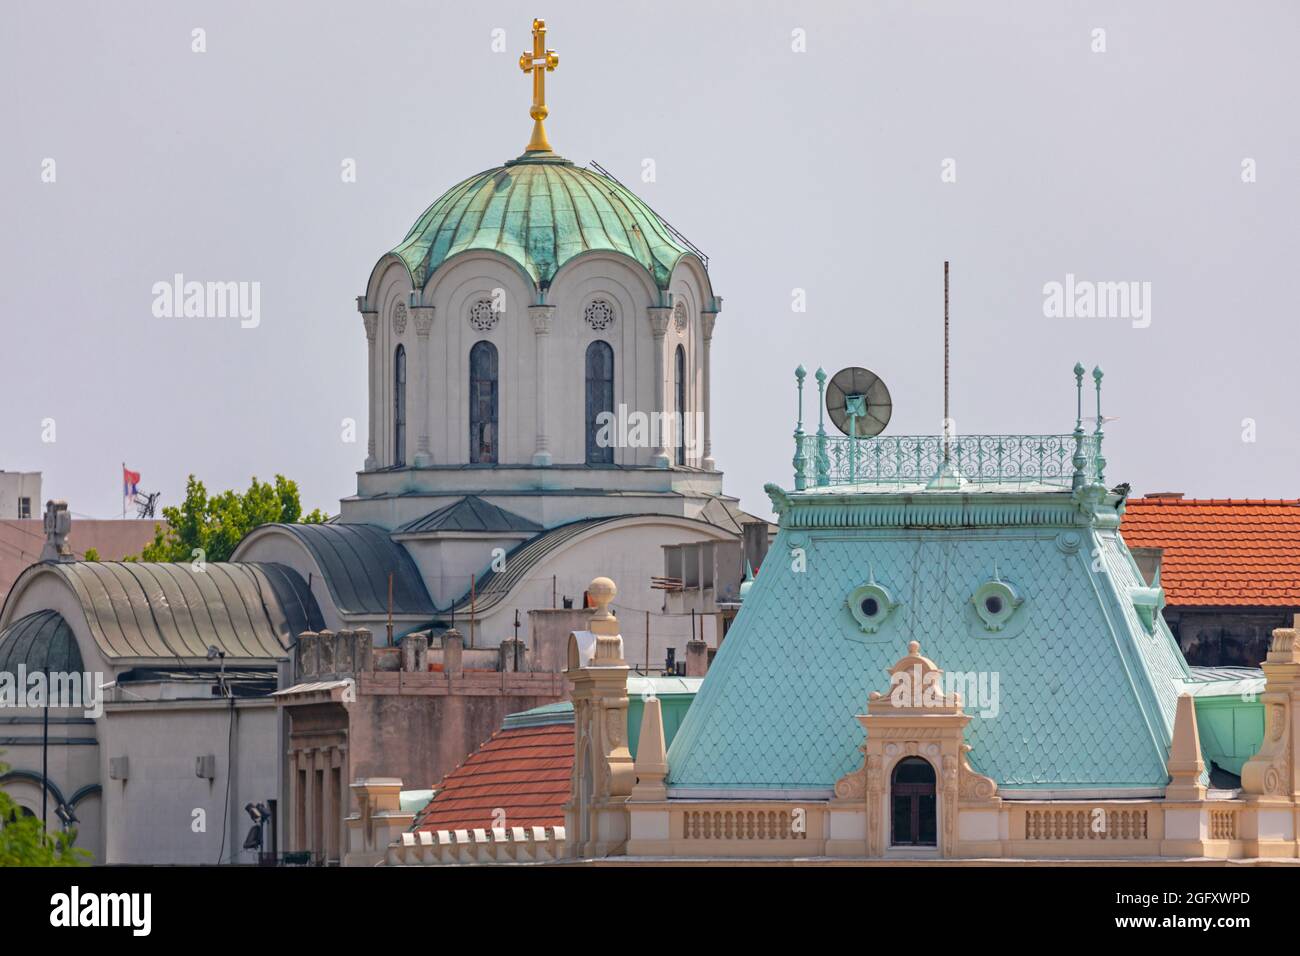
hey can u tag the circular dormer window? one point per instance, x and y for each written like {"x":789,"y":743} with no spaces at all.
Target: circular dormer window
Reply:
{"x":482,"y":317}
{"x":871,"y":604}
{"x":599,"y":314}
{"x":996,"y":602}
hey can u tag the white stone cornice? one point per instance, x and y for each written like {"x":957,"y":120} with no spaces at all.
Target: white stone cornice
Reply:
{"x":371,"y":321}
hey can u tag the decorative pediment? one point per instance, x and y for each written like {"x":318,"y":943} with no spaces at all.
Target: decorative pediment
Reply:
{"x":915,"y":722}
{"x":915,"y":685}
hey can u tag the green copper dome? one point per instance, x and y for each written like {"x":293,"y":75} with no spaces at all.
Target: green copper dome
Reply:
{"x":540,"y":212}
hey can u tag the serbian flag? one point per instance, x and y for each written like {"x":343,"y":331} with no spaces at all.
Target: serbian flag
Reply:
{"x":130,"y":483}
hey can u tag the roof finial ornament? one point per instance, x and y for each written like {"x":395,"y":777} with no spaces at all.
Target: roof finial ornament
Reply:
{"x":1078,"y":460}
{"x":1098,"y":431}
{"x":539,"y":62}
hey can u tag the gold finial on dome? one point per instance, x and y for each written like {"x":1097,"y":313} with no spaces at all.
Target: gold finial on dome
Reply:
{"x":539,"y":62}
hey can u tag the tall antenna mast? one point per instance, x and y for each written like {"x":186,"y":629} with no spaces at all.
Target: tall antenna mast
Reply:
{"x":947,"y":430}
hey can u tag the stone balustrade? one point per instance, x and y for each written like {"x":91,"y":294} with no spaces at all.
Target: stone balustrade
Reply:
{"x":496,"y":845}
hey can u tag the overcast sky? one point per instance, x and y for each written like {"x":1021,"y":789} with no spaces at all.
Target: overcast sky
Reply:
{"x":820,"y":170}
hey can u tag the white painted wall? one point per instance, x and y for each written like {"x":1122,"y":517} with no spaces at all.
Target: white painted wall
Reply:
{"x":459,"y":284}
{"x":151,"y":817}
{"x":20,"y":484}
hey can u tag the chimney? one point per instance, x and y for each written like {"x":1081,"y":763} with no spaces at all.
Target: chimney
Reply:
{"x":361,"y":650}
{"x":452,"y":645}
{"x":305,"y":655}
{"x":512,"y":656}
{"x":754,"y":536}
{"x":58,"y":524}
{"x":697,"y":658}
{"x":415,"y":652}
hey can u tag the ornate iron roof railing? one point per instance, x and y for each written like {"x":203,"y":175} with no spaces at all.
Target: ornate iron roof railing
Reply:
{"x":916,"y":459}
{"x":948,"y":461}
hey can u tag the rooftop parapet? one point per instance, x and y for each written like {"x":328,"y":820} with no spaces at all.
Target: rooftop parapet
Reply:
{"x":948,"y":462}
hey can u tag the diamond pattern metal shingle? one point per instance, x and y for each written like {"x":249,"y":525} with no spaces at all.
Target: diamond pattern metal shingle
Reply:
{"x":1085,"y":694}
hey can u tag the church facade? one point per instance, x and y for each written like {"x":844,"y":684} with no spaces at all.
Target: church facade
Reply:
{"x":538,"y":359}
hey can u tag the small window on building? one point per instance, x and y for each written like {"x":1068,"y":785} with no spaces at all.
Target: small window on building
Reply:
{"x":691,"y":566}
{"x":600,"y":403}
{"x":483,"y":441}
{"x":679,"y":420}
{"x":24,"y":507}
{"x":673,"y":561}
{"x":399,"y":407}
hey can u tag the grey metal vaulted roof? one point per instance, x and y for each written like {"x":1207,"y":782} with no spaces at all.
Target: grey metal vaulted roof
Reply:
{"x":174,"y":612}
{"x":40,"y":641}
{"x":471,"y":514}
{"x":356,"y":560}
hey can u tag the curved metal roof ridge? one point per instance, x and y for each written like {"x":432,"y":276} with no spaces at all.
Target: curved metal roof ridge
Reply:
{"x":355,"y":560}
{"x":495,"y":585}
{"x":174,"y":611}
{"x":42,"y":642}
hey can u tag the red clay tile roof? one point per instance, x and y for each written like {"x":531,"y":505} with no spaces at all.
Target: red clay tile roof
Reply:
{"x":523,"y":771}
{"x":1220,"y":552}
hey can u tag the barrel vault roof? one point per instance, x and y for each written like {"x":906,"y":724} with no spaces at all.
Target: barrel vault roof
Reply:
{"x":175,"y":612}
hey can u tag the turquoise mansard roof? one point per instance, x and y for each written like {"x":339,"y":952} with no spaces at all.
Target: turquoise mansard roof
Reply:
{"x":1086,"y":690}
{"x":541,"y":212}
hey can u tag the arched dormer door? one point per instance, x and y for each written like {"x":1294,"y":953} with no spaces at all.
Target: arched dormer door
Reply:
{"x":913,"y":810}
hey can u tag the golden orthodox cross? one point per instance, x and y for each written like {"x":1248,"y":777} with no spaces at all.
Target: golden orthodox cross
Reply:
{"x":540,"y":62}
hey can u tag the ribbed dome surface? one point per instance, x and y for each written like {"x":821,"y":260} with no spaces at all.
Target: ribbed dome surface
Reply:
{"x":540,"y":212}
{"x":40,"y":642}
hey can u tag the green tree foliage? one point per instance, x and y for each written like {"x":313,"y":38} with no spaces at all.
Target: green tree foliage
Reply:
{"x":214,"y":525}
{"x":23,"y":841}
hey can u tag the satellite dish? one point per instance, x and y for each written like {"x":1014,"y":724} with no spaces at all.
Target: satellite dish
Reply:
{"x":858,"y":402}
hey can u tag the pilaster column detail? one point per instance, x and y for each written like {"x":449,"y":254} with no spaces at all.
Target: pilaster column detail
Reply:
{"x":707,"y":320}
{"x":422,"y":318}
{"x":596,"y":817}
{"x":660,"y":317}
{"x":371,"y":320}
{"x":542,"y":316}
